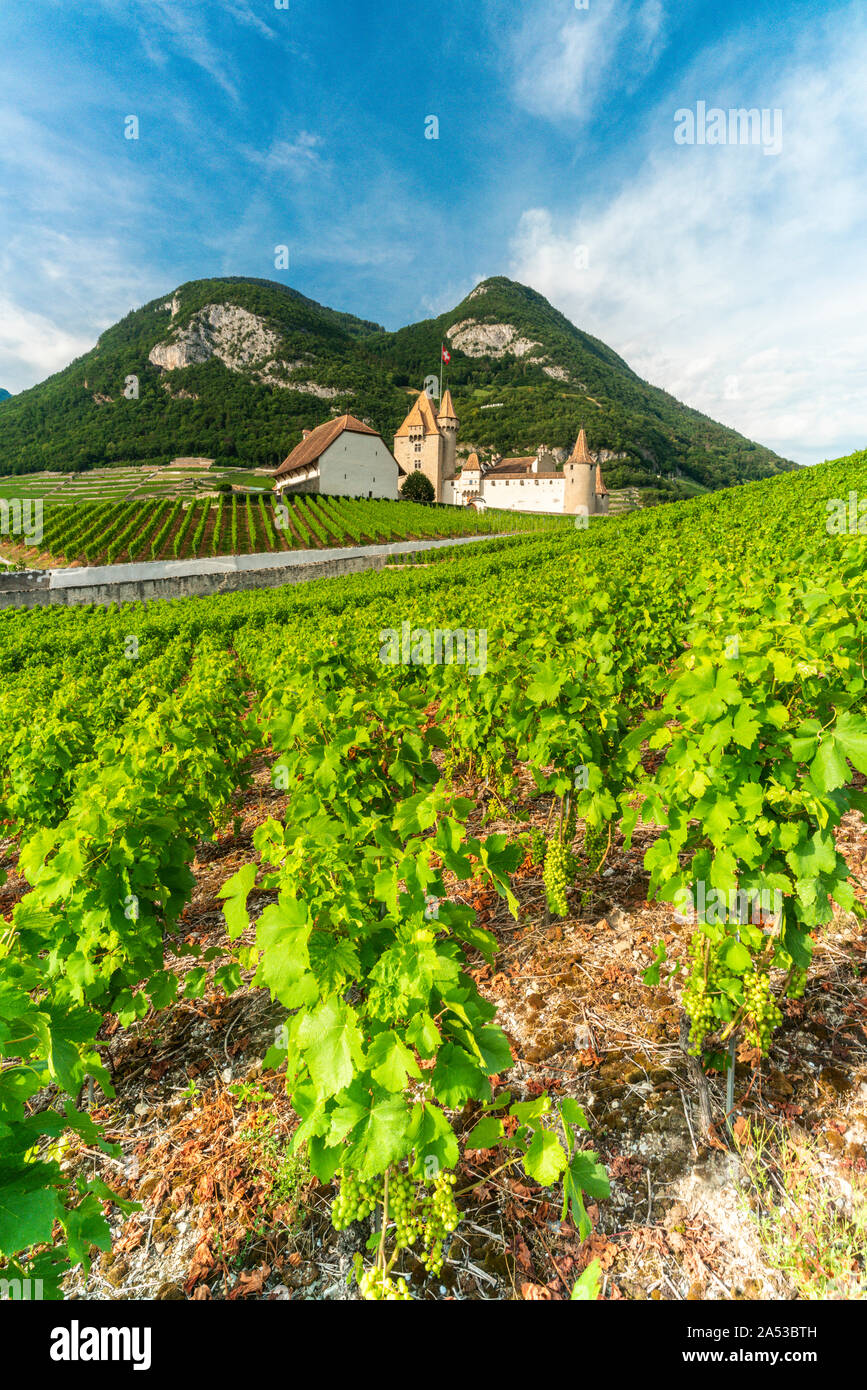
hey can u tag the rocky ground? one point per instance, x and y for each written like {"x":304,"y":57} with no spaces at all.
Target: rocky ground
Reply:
{"x":776,"y":1210}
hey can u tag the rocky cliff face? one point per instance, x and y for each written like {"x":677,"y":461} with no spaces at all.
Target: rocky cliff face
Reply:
{"x":242,"y":341}
{"x":476,"y":339}
{"x":234,"y":335}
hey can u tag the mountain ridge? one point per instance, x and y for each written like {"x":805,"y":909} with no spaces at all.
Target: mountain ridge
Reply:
{"x":235,"y":367}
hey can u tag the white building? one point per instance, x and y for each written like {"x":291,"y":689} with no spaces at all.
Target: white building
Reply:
{"x":534,"y":483}
{"x":343,"y":457}
{"x":427,"y":442}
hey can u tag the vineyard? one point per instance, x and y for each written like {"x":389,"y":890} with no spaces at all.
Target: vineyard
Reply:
{"x":486,"y":930}
{"x":108,"y":533}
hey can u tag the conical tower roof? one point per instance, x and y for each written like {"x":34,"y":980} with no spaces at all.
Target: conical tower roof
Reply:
{"x":447,"y":409}
{"x":601,"y":489}
{"x":422,"y":414}
{"x":581,"y":454}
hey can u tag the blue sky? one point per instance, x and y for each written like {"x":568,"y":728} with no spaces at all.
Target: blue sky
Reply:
{"x":734,"y":278}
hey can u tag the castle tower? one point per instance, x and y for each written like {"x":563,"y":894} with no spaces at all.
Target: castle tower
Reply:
{"x":602,"y":493}
{"x":447,"y":421}
{"x":471,"y":480}
{"x":579,"y":494}
{"x":420,"y":444}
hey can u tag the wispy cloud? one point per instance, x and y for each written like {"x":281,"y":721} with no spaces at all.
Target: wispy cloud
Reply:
{"x":297,"y":157}
{"x":563,"y":66}
{"x":245,"y":13}
{"x":734,"y":281}
{"x":191,"y":30}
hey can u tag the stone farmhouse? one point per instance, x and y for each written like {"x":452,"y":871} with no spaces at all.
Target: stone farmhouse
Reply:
{"x":342,"y":458}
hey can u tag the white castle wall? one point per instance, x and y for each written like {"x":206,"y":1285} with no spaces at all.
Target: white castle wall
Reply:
{"x":526,"y":494}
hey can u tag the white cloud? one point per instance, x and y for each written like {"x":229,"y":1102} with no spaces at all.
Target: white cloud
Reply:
{"x":31,"y":345}
{"x":65,"y":262}
{"x":297,"y":157}
{"x":561,"y":67}
{"x":736,"y":281}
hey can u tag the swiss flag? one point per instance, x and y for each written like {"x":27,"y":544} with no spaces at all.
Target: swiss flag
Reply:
{"x":447,"y":357}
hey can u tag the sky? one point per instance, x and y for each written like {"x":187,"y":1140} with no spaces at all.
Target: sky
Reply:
{"x":568,"y":156}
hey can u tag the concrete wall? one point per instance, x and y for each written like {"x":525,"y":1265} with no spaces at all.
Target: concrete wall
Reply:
{"x":306,"y":483}
{"x":32,"y":589}
{"x":227,"y":574}
{"x":514,"y":494}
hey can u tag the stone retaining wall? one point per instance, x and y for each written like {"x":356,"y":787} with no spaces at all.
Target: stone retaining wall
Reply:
{"x":33,"y":588}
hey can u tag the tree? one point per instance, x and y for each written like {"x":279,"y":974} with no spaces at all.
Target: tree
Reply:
{"x":417,"y":488}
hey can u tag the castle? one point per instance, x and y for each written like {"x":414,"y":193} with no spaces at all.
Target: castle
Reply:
{"x":427,"y":442}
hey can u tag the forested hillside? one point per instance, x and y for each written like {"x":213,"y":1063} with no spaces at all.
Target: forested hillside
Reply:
{"x":235,"y":368}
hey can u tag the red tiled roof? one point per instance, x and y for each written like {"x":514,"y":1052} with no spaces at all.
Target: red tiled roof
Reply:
{"x":523,"y":465}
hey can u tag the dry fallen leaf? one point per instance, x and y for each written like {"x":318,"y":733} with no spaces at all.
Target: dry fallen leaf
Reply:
{"x":250,"y":1281}
{"x":535,"y":1293}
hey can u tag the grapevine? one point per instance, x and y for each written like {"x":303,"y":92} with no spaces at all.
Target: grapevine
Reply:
{"x":125,"y":735}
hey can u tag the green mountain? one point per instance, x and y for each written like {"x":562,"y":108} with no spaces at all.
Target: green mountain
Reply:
{"x":235,"y":368}
{"x":4,"y":394}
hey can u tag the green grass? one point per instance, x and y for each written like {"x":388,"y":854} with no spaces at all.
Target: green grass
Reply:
{"x":119,"y":483}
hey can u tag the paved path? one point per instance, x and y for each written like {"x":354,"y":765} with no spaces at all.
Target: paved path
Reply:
{"x":73,"y":577}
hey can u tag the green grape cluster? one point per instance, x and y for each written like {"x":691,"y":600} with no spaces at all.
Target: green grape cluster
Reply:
{"x":355,"y":1200}
{"x":763,"y":1015}
{"x":403,"y":1209}
{"x":429,"y":1216}
{"x":797,"y":984}
{"x":595,"y":845}
{"x":538,"y":844}
{"x":697,"y":998}
{"x":556,"y":876}
{"x":378,"y":1287}
{"x":442,"y":1219}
